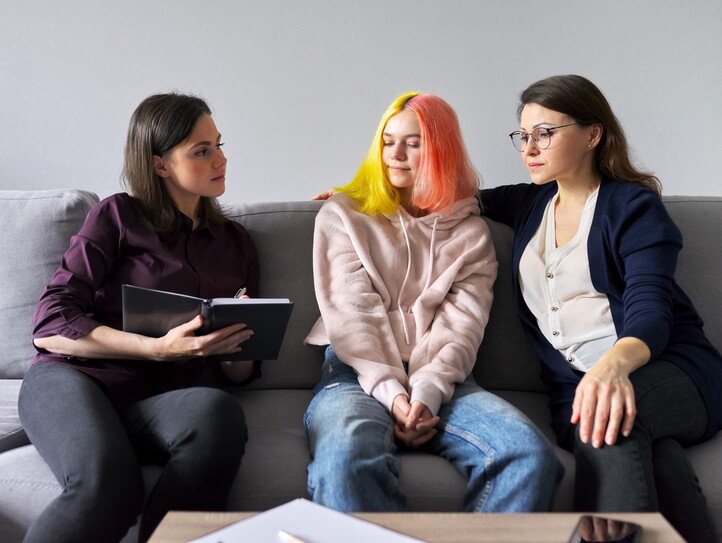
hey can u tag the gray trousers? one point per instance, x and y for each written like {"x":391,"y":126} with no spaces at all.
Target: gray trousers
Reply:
{"x":197,"y":435}
{"x":649,"y":471}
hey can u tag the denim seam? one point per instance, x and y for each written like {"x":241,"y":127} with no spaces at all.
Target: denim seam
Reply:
{"x":489,"y":464}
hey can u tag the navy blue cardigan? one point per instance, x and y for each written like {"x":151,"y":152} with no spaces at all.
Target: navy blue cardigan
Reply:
{"x":633,"y":247}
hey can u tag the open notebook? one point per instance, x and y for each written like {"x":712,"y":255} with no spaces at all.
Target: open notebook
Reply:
{"x":308,"y":522}
{"x":153,"y":312}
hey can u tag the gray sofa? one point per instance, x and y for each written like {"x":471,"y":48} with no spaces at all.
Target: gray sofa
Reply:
{"x":38,"y":224}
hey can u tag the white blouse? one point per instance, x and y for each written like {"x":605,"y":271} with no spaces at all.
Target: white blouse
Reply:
{"x":557,"y":287}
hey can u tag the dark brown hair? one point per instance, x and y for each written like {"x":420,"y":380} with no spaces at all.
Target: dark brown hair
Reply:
{"x":581,"y":100}
{"x":158,"y":124}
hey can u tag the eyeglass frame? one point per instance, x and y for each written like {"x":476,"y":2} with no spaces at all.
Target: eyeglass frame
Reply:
{"x":535,"y":139}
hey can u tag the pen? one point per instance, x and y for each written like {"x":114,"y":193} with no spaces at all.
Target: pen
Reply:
{"x":285,"y":537}
{"x":240,"y":292}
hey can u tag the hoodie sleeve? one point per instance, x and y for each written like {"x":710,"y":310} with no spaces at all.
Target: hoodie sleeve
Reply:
{"x":353,"y":311}
{"x":447,"y":353}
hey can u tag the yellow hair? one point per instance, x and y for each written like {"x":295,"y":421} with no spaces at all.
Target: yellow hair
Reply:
{"x":370,"y":186}
{"x":445,"y":174}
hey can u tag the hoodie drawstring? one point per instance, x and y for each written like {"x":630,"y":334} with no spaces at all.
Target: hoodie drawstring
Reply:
{"x":408,"y":270}
{"x":406,"y":277}
{"x":431,"y":254}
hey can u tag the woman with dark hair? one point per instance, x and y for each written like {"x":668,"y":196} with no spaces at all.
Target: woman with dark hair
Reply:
{"x":97,"y":402}
{"x":403,"y":272}
{"x":632,"y":377}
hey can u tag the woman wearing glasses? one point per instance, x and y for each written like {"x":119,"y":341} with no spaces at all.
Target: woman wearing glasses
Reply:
{"x":632,"y":376}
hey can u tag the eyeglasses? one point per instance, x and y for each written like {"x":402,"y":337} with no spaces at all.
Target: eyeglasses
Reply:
{"x":541,"y":136}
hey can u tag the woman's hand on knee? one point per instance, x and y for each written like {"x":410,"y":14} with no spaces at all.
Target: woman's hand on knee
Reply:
{"x":604,"y":403}
{"x":603,"y":406}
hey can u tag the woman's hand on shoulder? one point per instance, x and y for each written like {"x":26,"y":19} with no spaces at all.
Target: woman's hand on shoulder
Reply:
{"x":414,"y":422}
{"x":324,"y":195}
{"x":604,"y":403}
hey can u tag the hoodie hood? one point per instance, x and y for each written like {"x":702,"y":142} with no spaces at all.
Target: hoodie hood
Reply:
{"x":439,"y":220}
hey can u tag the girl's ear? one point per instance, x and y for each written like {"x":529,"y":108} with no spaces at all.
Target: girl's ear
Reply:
{"x":160,"y":167}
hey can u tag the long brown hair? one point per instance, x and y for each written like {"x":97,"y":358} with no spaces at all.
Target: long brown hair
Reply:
{"x":580,"y":99}
{"x":158,"y":124}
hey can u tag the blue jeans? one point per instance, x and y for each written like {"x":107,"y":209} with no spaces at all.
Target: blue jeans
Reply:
{"x":509,"y":465}
{"x":197,"y":434}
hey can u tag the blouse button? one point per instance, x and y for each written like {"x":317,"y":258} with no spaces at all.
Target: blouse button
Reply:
{"x":550,"y":275}
{"x":555,"y":333}
{"x":570,"y":359}
{"x":555,"y":308}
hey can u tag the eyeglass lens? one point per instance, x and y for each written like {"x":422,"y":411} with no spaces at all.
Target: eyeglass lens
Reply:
{"x":540,"y":136}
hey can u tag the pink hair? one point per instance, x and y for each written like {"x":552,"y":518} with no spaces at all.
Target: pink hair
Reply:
{"x":446,"y":174}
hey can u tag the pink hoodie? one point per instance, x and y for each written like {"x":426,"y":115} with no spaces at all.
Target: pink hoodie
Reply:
{"x":395,"y":288}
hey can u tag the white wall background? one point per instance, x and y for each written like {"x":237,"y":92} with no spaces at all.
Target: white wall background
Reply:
{"x":297,"y":87}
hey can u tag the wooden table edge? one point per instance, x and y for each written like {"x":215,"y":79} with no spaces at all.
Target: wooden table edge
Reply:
{"x":182,"y":526}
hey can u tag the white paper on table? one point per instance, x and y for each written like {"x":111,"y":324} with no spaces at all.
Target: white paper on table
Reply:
{"x":308,"y":521}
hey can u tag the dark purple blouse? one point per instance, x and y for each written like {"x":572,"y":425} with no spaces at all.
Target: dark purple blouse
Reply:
{"x":116,"y":245}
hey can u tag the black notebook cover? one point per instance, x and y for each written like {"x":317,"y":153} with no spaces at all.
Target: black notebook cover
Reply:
{"x":153,"y":312}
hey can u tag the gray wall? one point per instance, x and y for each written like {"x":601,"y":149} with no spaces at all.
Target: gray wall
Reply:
{"x":297,"y":87}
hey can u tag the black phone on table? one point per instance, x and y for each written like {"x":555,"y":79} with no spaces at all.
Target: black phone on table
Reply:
{"x":598,"y":529}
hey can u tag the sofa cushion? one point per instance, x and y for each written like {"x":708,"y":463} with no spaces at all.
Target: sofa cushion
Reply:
{"x":27,"y":486}
{"x":37,"y":228}
{"x":278,"y":448}
{"x":12,"y":434}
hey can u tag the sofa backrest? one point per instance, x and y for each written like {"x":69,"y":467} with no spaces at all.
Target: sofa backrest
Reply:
{"x":39,"y":224}
{"x":283,"y":235}
{"x":505,"y":360}
{"x":699,"y":270}
{"x":283,"y":232}
{"x":37,"y":228}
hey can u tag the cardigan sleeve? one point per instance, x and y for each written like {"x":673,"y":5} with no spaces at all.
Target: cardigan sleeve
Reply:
{"x":507,"y":204}
{"x":645,"y":243}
